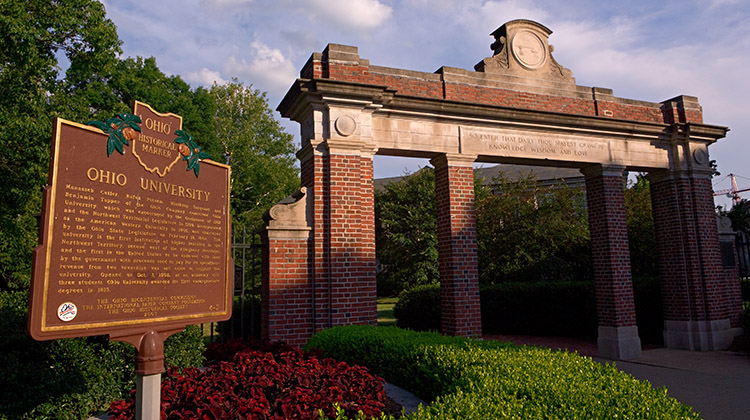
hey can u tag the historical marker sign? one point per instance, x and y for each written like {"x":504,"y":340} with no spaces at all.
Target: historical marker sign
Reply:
{"x":135,"y":231}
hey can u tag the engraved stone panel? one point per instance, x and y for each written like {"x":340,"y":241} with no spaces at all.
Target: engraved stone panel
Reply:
{"x":523,"y":144}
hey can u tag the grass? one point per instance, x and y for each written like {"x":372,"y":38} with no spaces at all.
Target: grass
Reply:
{"x":385,"y":311}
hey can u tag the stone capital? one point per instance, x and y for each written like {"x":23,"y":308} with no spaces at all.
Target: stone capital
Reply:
{"x":603,"y":170}
{"x":351,"y":146}
{"x":454,"y":160}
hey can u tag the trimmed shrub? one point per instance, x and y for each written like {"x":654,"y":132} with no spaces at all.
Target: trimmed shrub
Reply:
{"x":544,"y":308}
{"x":535,"y":308}
{"x":70,"y":378}
{"x":274,"y":381}
{"x":419,"y":308}
{"x":469,"y":379}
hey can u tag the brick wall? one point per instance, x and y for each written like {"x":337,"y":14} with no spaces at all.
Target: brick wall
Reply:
{"x":286,"y":297}
{"x":315,"y":167}
{"x":457,"y":247}
{"x":351,"y":238}
{"x":426,"y":85}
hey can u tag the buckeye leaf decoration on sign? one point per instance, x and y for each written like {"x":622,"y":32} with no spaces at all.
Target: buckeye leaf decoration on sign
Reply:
{"x":190,"y":151}
{"x":121,"y":128}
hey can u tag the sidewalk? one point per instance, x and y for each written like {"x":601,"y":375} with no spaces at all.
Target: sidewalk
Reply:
{"x":716,"y":384}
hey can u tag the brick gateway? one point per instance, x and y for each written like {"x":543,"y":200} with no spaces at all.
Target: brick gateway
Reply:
{"x":518,"y":107}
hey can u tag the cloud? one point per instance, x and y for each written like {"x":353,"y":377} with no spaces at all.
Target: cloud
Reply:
{"x":358,"y":15}
{"x":205,"y":77}
{"x":225,"y":3}
{"x":268,"y":69}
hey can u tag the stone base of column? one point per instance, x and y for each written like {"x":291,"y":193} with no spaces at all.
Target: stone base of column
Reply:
{"x":619,"y":343}
{"x":700,"y":335}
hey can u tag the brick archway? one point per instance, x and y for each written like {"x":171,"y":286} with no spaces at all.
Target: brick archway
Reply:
{"x":520,"y":107}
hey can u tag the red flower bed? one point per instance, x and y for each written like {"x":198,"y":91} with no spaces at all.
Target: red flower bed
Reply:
{"x":275,"y":382}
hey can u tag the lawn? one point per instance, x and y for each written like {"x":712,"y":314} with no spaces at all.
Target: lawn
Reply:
{"x":385,"y":311}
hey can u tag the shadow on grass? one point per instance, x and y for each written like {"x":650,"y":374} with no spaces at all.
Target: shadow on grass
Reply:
{"x":385,"y":311}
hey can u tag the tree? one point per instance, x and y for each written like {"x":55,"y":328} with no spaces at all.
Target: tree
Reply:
{"x":526,"y":232}
{"x":35,"y":34}
{"x":640,"y":223}
{"x":255,"y":145}
{"x":406,"y":233}
{"x":141,"y":79}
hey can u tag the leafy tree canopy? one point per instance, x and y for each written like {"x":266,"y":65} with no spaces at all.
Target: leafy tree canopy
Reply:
{"x":228,"y":121}
{"x":640,"y":222}
{"x":255,"y":145}
{"x":36,"y":35}
{"x":527,"y":232}
{"x":406,"y":233}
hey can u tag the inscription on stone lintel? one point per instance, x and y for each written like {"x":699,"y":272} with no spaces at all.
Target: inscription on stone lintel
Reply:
{"x":517,"y":143}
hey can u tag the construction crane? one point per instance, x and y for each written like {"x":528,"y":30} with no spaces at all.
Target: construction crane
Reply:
{"x":733,"y":192}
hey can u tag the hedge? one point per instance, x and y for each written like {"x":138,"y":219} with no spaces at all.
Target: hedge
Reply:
{"x":469,"y":379}
{"x":534,"y":308}
{"x":70,"y":378}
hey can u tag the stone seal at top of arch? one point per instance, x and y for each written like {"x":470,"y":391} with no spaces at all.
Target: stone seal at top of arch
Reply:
{"x":521,"y":49}
{"x":529,"y":49}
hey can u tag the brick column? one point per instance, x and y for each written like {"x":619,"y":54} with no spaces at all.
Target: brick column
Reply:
{"x":342,"y":252}
{"x":699,"y":301}
{"x":286,"y":293}
{"x":615,"y":307}
{"x":457,"y":245}
{"x":351,"y":235}
{"x":314,"y":176}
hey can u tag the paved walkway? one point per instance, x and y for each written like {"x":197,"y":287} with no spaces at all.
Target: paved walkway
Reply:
{"x":716,"y":384}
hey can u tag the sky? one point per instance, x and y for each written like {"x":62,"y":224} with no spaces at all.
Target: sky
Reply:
{"x":642,"y":49}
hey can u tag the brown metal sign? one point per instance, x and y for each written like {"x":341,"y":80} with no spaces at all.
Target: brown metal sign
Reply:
{"x":136,"y":232}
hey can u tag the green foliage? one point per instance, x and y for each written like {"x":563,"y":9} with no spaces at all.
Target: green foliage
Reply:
{"x":341,"y":415}
{"x":254,"y":144}
{"x":468,"y":379}
{"x":141,"y":79}
{"x":418,"y":308}
{"x":640,"y":222}
{"x":554,"y":308}
{"x":32,"y":92}
{"x":406,"y":233}
{"x":185,"y":349}
{"x":526,"y":232}
{"x":71,"y":378}
{"x":740,"y":216}
{"x":540,"y":308}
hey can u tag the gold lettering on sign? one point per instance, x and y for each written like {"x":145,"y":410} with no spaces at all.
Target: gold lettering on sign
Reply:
{"x":158,"y":126}
{"x":156,"y":146}
{"x":174,"y":189}
{"x":106,"y":177}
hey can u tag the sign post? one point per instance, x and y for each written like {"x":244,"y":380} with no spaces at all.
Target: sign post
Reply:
{"x":135,"y":239}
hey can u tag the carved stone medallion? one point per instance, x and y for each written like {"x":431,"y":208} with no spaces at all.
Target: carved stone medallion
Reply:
{"x":529,"y":49}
